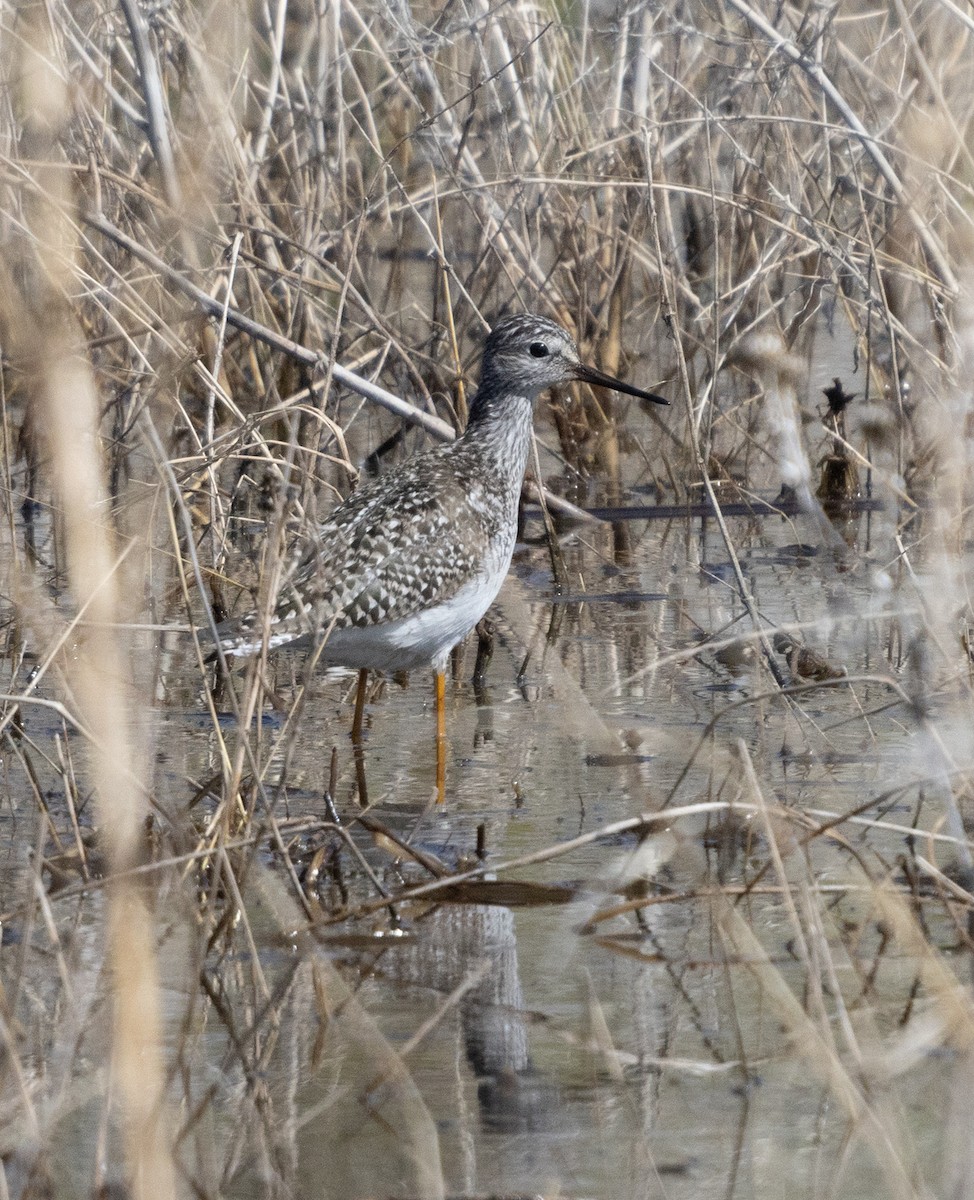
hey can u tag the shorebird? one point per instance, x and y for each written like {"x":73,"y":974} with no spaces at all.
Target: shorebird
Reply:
{"x":401,"y":571}
{"x":804,"y":662}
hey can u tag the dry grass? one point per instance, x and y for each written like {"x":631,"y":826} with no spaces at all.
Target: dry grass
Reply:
{"x":217,"y":224}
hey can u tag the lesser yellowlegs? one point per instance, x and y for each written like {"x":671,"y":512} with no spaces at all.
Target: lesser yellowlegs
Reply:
{"x":401,"y":571}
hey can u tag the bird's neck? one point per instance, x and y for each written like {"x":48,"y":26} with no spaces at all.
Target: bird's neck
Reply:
{"x":499,"y":429}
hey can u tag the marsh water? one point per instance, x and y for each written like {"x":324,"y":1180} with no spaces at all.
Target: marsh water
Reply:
{"x":635,"y":1055}
{"x":719,"y":999}
{"x":563,"y":1043}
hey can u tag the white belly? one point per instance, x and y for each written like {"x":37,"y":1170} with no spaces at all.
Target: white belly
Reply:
{"x":422,"y":639}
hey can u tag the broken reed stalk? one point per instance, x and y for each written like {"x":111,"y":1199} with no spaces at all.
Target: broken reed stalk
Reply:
{"x":99,"y":673}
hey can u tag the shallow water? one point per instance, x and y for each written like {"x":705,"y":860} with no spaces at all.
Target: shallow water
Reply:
{"x":639,"y":1056}
{"x":756,"y":1027}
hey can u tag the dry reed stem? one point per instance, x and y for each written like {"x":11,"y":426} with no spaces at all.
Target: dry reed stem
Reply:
{"x":820,"y":1054}
{"x":100,"y":677}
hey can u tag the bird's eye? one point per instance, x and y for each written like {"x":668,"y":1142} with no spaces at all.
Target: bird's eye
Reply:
{"x":538,"y":350}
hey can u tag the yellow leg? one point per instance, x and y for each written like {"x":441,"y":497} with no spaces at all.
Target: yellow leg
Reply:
{"x":440,"y":737}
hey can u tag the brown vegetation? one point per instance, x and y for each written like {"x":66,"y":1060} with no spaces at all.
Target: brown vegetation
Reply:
{"x":218,"y":222}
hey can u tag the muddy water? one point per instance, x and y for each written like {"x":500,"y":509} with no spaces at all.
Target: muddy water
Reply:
{"x":755,"y":1030}
{"x":560,"y":1054}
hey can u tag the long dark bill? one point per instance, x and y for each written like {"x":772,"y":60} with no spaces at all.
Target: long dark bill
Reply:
{"x":590,"y":375}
